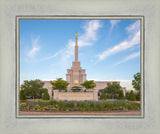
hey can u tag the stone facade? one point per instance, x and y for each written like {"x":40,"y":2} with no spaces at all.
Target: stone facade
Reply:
{"x":76,"y":96}
{"x":103,"y":84}
{"x":99,"y":85}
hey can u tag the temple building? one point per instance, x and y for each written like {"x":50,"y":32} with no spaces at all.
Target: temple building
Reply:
{"x":76,"y":75}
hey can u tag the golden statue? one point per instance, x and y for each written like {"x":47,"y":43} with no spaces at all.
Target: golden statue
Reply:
{"x":76,"y":34}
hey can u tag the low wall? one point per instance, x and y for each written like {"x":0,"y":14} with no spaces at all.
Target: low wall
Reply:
{"x":76,"y":96}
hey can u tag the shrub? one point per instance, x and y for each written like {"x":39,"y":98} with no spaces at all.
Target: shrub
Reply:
{"x":85,"y":90}
{"x":121,"y":95}
{"x":46,"y":95}
{"x":132,"y":96}
{"x":52,"y":102}
{"x":76,"y":89}
{"x":23,"y":101}
{"x":103,"y":96}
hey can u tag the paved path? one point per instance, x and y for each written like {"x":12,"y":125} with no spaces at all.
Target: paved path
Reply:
{"x":77,"y":113}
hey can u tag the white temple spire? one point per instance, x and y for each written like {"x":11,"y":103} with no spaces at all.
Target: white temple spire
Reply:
{"x":76,"y":48}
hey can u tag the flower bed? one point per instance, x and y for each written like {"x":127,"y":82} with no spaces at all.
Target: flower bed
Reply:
{"x":80,"y":106}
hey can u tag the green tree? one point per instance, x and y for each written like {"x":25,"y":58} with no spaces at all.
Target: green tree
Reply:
{"x":59,"y":84}
{"x":138,"y":96}
{"x":33,"y":88}
{"x":137,"y":81}
{"x":103,"y":96}
{"x":132,"y":96}
{"x":22,"y":95}
{"x":89,"y":84}
{"x":113,"y":89}
{"x":121,"y":95}
{"x":46,"y":95}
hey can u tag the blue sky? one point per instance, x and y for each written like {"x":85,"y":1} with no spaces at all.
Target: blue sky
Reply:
{"x":108,"y":49}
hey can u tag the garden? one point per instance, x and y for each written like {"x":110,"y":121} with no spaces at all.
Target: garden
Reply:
{"x":53,"y":106}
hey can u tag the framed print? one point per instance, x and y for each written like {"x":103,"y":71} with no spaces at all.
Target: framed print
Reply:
{"x":76,"y":97}
{"x":79,"y":67}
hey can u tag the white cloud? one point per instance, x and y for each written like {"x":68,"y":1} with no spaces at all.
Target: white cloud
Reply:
{"x":121,"y":47}
{"x":133,"y":39}
{"x":68,"y":51}
{"x":134,"y":27}
{"x":90,"y":29}
{"x":114,"y":23}
{"x":87,"y":38}
{"x":130,"y":57}
{"x":35,"y":47}
{"x":53,"y":56}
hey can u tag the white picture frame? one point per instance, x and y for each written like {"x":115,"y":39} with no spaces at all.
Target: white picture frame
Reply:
{"x":9,"y":123}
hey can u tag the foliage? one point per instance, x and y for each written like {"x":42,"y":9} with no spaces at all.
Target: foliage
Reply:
{"x":89,"y":84}
{"x":132,"y":96}
{"x":46,"y":95}
{"x":59,"y":84}
{"x":137,"y":81}
{"x":113,"y":89}
{"x":23,"y":101}
{"x":76,"y":89}
{"x":121,"y":95}
{"x":85,"y":90}
{"x":127,"y":94}
{"x":33,"y":88}
{"x":138,"y":95}
{"x":80,"y":106}
{"x":103,"y":96}
{"x":22,"y":95}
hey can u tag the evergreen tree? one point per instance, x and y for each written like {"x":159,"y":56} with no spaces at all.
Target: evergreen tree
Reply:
{"x":138,"y":96}
{"x":46,"y":95}
{"x":103,"y":96}
{"x":22,"y":95}
{"x":132,"y":96}
{"x":121,"y":95}
{"x":127,"y":94}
